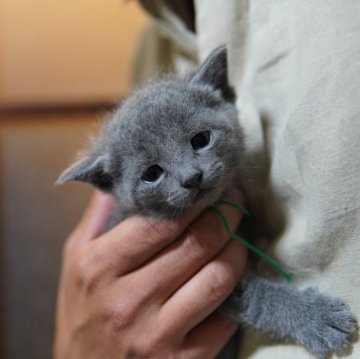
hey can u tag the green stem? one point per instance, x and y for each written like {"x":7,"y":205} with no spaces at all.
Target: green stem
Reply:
{"x":248,"y":245}
{"x":235,"y":205}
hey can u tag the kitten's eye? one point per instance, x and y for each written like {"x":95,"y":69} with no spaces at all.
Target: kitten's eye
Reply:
{"x":152,"y":173}
{"x":201,"y":140}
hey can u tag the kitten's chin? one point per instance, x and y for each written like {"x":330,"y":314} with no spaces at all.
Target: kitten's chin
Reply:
{"x":202,"y":199}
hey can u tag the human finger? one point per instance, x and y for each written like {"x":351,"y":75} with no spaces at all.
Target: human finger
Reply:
{"x":94,"y":218}
{"x":137,"y":239}
{"x":206,"y":290}
{"x":207,"y":339}
{"x":178,"y":262}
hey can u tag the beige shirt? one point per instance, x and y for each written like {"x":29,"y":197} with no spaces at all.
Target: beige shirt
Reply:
{"x":295,"y":66}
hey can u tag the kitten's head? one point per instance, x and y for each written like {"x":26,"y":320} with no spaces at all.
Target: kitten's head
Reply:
{"x":172,"y":145}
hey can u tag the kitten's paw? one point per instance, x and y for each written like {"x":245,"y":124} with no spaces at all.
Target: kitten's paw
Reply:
{"x":327,"y":324}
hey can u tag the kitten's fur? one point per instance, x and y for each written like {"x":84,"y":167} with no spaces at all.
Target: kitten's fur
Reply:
{"x":156,"y":126}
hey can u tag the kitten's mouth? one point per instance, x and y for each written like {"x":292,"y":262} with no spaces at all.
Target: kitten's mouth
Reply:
{"x":212,"y":194}
{"x":204,"y":196}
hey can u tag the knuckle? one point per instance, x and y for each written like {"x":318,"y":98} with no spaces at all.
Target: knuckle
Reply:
{"x":151,"y":346}
{"x":195,"y":245}
{"x":221,"y":281}
{"x":122,"y":311}
{"x":87,"y":274}
{"x":144,"y":350}
{"x":200,"y":242}
{"x":118,"y":317}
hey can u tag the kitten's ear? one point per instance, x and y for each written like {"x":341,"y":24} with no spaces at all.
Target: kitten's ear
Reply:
{"x":90,"y":169}
{"x":213,"y":72}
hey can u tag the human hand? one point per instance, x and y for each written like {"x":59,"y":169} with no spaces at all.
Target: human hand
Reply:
{"x":146,"y":289}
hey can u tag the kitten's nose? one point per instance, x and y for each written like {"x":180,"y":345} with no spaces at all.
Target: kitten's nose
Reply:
{"x":194,"y":181}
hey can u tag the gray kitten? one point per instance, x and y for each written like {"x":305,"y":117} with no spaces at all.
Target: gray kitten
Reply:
{"x":177,"y":143}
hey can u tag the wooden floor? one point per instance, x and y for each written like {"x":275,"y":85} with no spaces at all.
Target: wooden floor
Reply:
{"x":35,"y":219}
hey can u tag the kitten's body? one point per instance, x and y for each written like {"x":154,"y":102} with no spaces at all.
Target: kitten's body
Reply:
{"x":176,"y":144}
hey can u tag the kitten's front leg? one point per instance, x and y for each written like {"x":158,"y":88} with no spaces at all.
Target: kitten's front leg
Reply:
{"x":320,"y":323}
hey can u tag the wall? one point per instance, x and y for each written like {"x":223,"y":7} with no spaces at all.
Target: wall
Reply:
{"x":58,"y":54}
{"x":35,"y":219}
{"x":66,"y":52}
